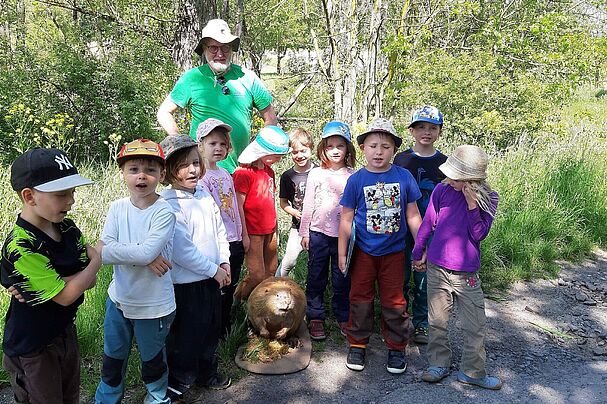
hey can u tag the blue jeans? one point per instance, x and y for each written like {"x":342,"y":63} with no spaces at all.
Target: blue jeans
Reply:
{"x":419,"y":303}
{"x":150,"y":336}
{"x":322,"y":256}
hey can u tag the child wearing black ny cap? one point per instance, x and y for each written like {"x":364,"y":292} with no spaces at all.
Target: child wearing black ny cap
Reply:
{"x":48,"y":264}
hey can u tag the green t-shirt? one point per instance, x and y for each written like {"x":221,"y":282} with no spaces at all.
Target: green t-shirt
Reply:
{"x":198,"y":91}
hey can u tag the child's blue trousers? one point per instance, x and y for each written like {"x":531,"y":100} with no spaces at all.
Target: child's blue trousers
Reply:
{"x":150,"y":335}
{"x":322,"y":261}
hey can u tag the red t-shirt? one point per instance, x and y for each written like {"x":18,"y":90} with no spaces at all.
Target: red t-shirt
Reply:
{"x":259,"y":187}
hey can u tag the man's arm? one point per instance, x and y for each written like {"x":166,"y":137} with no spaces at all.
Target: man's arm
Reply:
{"x":267,"y":114}
{"x":165,"y":116}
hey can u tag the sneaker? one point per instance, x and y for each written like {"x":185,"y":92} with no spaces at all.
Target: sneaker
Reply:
{"x":420,"y":336}
{"x":343,"y":329}
{"x":317,"y":330}
{"x":175,"y":394}
{"x":487,"y":382}
{"x":217,"y":382}
{"x":356,"y":358}
{"x":435,"y":374}
{"x":397,"y":363}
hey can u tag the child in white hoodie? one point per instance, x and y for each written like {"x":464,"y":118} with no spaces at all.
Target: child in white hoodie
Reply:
{"x":201,"y":267}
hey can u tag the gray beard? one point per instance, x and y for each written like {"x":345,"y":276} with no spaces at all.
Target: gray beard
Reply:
{"x":218,"y":68}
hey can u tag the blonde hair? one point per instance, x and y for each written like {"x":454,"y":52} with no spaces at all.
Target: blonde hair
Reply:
{"x":302,"y":136}
{"x":482,"y":194}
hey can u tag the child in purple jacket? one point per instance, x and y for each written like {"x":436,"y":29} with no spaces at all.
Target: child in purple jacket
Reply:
{"x":458,"y":218}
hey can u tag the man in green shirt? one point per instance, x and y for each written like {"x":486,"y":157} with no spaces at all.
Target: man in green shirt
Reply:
{"x":219,"y":89}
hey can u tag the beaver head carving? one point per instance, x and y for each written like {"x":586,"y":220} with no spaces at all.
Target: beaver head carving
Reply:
{"x":276,"y":308}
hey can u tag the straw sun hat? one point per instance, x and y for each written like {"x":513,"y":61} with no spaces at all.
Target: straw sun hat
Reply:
{"x":467,"y":163}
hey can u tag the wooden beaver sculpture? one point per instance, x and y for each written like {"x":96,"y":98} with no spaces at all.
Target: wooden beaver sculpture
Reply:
{"x":276,"y":308}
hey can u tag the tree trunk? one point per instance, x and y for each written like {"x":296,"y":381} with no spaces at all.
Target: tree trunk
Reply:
{"x":20,"y":31}
{"x":225,"y":10}
{"x":280,"y":54}
{"x":371,"y":100}
{"x":341,"y":22}
{"x":192,"y":16}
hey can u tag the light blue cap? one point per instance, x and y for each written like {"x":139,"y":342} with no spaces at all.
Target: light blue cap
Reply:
{"x":336,"y":128}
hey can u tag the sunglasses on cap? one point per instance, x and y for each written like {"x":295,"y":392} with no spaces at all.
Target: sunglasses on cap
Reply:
{"x":223,"y":83}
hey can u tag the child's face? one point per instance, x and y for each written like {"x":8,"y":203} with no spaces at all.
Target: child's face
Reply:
{"x":271,"y":159}
{"x":425,"y":133}
{"x":214,"y":147}
{"x":50,"y":206}
{"x":378,"y":150}
{"x":142,"y":177}
{"x":300,"y":154}
{"x":189,"y":171}
{"x":456,"y":184}
{"x":336,"y":149}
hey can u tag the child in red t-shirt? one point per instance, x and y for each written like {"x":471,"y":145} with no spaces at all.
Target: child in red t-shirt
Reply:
{"x":255,"y":187}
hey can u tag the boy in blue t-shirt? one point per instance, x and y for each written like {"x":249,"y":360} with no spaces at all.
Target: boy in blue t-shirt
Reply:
{"x":422,"y":160}
{"x":380,"y":199}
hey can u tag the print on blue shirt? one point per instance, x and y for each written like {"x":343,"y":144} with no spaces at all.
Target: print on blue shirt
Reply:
{"x":383,"y":207}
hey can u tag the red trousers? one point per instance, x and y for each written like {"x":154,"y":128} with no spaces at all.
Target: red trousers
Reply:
{"x":388,"y":271}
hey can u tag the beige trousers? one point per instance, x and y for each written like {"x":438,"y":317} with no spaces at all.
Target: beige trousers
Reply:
{"x":444,"y":288}
{"x":261,"y":260}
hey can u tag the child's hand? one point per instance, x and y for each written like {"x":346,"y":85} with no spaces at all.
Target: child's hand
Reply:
{"x":16,"y":294}
{"x":246,"y":242}
{"x":222,"y":277}
{"x":226,"y":267}
{"x":99,"y":246}
{"x":160,"y":266}
{"x":94,"y":254}
{"x":305,"y":243}
{"x":418,"y":266}
{"x":470,"y":196}
{"x":341,"y":260}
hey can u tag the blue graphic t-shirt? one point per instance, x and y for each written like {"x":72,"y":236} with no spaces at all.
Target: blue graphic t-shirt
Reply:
{"x":380,"y":201}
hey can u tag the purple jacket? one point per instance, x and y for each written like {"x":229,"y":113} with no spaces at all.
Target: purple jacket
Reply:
{"x":454,"y":231}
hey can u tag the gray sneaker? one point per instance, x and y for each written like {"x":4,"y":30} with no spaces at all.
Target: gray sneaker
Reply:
{"x":435,"y":374}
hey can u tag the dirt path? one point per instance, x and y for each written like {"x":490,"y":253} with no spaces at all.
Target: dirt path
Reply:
{"x":547,"y":341}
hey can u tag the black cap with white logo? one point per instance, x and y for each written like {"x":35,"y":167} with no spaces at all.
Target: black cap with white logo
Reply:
{"x":46,"y":170}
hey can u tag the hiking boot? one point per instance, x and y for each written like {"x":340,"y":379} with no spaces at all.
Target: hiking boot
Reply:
{"x":487,"y":382}
{"x":435,"y":374}
{"x":420,"y":336}
{"x":343,"y":329}
{"x":317,"y":330}
{"x":217,"y":381}
{"x":397,"y":363}
{"x":356,"y":358}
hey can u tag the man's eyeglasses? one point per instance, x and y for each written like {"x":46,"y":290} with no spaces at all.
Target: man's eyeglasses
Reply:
{"x":224,"y":48}
{"x":223,"y":83}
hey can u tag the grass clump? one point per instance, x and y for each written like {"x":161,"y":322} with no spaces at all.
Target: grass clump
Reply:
{"x":552,"y":206}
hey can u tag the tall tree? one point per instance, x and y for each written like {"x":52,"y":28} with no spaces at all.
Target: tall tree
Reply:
{"x":191,"y":18}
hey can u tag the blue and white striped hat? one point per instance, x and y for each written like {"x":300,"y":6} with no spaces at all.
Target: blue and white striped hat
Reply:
{"x":270,"y":140}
